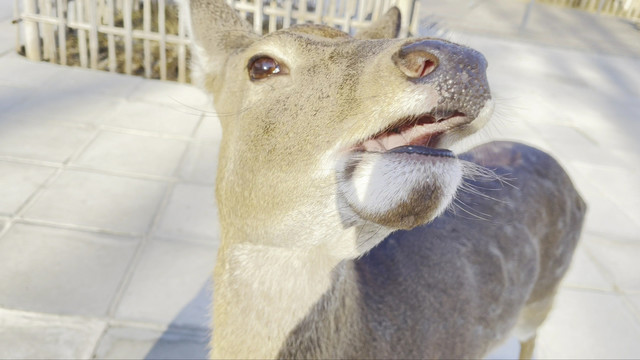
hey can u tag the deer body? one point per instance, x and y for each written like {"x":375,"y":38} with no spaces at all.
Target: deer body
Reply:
{"x":332,"y":144}
{"x":464,"y":281}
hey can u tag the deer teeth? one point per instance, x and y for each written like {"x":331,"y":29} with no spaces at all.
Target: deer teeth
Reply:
{"x":408,"y":136}
{"x":424,"y":131}
{"x":373,"y":145}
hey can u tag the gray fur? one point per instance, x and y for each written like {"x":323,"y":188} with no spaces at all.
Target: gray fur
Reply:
{"x":463,"y":279}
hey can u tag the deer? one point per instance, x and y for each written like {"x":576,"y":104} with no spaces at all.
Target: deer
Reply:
{"x":349,"y":228}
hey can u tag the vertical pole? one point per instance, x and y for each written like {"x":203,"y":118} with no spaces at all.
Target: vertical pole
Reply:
{"x":82,"y":34}
{"x":243,"y":13}
{"x":111,"y":44}
{"x":146,"y":26}
{"x":163,"y":39}
{"x":16,"y":16}
{"x":288,"y":4}
{"x":415,"y":20}
{"x":377,"y":10}
{"x":525,"y":18}
{"x":128,"y":36}
{"x":302,"y":11}
{"x":48,"y":32}
{"x":272,"y":18}
{"x":182,"y":61}
{"x":347,"y":17}
{"x":601,"y":5}
{"x":331,"y":14}
{"x":93,"y":33}
{"x":62,"y":31}
{"x":319,"y":11}
{"x":257,"y":17}
{"x":406,"y":7}
{"x":31,"y":34}
{"x":361,"y":14}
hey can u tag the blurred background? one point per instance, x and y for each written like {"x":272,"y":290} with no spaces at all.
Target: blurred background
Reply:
{"x":108,"y":224}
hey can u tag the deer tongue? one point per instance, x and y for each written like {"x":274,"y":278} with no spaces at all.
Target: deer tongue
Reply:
{"x":416,"y":136}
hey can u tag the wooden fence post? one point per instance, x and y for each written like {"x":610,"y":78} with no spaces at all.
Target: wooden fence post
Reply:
{"x":406,"y":9}
{"x":31,"y":34}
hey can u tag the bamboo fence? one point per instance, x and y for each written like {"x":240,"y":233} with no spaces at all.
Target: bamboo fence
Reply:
{"x":150,"y":37}
{"x":629,"y":9}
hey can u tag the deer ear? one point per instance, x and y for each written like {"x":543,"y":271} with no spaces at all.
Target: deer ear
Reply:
{"x":217,"y":31}
{"x":386,"y":27}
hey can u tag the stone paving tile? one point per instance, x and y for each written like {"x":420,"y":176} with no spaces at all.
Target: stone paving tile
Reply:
{"x":79,"y":80}
{"x":122,"y":342}
{"x":201,"y":162}
{"x":578,"y":132}
{"x":629,"y":160}
{"x":99,"y":201}
{"x":619,"y":184}
{"x":569,"y":143}
{"x":172,"y":94}
{"x":18,"y":182}
{"x":585,"y":273}
{"x":503,"y":127}
{"x":11,"y":95}
{"x":197,"y":313}
{"x":39,"y":336}
{"x":549,"y":25}
{"x":191,"y":213}
{"x":32,"y":74}
{"x":210,"y":128}
{"x":132,"y":153}
{"x":620,"y":130}
{"x":608,"y":220}
{"x":509,"y":350}
{"x":61,"y":271}
{"x":618,"y":74}
{"x":589,"y":325}
{"x":634,"y":299}
{"x":56,"y":105}
{"x":591,"y":94}
{"x":167,"y":284}
{"x":604,"y":217}
{"x":7,"y":36}
{"x":174,"y":120}
{"x":552,"y":71}
{"x":40,"y":140}
{"x":620,"y":259}
{"x":6,"y":13}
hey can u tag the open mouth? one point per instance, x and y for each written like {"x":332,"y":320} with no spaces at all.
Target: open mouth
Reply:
{"x":416,"y":135}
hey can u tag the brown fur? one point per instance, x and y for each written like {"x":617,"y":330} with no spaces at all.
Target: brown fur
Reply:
{"x":304,"y":269}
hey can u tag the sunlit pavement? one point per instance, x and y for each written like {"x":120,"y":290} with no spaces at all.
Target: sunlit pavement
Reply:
{"x":107,"y":214}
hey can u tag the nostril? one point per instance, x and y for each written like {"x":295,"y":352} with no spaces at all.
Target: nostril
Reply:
{"x":427,"y":67}
{"x":416,"y":63}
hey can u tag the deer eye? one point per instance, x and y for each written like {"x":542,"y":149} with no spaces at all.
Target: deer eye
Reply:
{"x":261,"y":67}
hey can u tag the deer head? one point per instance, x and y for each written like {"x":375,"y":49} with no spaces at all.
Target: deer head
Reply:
{"x":343,"y":137}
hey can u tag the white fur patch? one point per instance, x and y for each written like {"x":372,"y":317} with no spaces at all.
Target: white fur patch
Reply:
{"x":382,"y":181}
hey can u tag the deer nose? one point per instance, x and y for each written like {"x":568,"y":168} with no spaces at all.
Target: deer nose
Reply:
{"x":457,"y":73}
{"x":420,"y":58}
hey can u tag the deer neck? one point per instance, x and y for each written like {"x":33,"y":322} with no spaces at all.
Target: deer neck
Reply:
{"x":262,"y":293}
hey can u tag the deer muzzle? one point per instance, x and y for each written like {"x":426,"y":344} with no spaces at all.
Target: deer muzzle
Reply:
{"x":399,"y":177}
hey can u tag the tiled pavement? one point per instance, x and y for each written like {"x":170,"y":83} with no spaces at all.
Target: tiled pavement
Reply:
{"x":107,"y":215}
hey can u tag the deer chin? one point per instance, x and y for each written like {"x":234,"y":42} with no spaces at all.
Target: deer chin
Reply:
{"x":399,"y":178}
